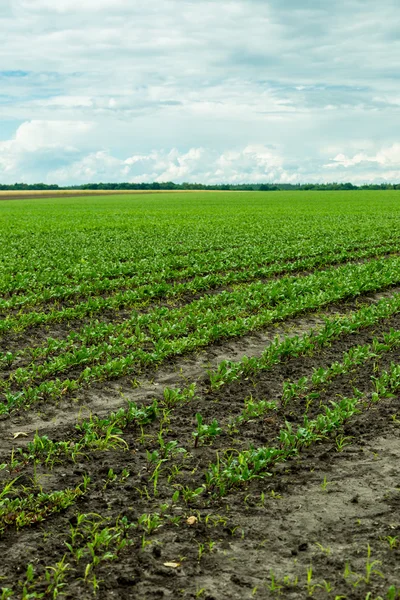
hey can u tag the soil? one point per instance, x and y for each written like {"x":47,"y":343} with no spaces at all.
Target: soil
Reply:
{"x":57,"y":194}
{"x":316,"y":514}
{"x":102,"y":397}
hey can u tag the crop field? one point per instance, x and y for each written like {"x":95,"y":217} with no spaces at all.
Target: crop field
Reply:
{"x":199,"y":396}
{"x":27,"y":194}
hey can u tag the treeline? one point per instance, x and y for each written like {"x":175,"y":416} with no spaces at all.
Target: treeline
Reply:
{"x":169,"y":185}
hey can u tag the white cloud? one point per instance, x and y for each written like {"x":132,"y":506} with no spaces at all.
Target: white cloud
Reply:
{"x":68,"y":152}
{"x":385,"y":157}
{"x":33,"y":135}
{"x":40,"y":144}
{"x":252,"y":163}
{"x":294,"y":77}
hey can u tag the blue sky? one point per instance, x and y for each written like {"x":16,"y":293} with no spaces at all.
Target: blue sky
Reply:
{"x":210,"y":91}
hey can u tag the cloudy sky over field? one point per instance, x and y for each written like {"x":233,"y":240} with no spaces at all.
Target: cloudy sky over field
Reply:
{"x":218,"y":91}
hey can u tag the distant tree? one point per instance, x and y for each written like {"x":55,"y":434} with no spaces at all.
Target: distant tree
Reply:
{"x":170,"y":185}
{"x":268,"y":187}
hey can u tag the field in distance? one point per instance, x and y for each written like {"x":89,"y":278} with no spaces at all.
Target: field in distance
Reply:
{"x":27,"y":194}
{"x":199,"y":395}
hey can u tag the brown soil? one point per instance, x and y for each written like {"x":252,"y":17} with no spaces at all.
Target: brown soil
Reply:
{"x":320,"y":510}
{"x":78,"y":194}
{"x":103,"y":397}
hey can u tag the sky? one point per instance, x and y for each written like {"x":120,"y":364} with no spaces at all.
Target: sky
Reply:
{"x":220,"y":91}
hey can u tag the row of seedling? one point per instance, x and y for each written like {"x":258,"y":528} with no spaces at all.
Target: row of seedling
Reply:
{"x":236,"y":468}
{"x":172,"y":268}
{"x":105,"y":433}
{"x":248,"y":297}
{"x":30,"y":508}
{"x":203,"y":328}
{"x":308,"y":343}
{"x":129,"y":291}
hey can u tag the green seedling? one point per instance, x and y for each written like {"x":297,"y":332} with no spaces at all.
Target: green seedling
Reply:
{"x":348,"y":572}
{"x":370,"y":569}
{"x":170,"y":449}
{"x":205,"y":431}
{"x":189,"y":495}
{"x":392,"y":541}
{"x":393,"y":593}
{"x":111,"y":478}
{"x":254,"y":409}
{"x":325,"y":550}
{"x":311,"y":587}
{"x":150,"y":522}
{"x":325,"y":483}
{"x":275,"y":587}
{"x":342,"y":441}
{"x":275,"y":495}
{"x":289,"y":582}
{"x":327,"y":586}
{"x":55,"y":578}
{"x":201,"y":550}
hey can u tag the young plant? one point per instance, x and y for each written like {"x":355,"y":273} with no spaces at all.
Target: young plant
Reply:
{"x":204,"y":431}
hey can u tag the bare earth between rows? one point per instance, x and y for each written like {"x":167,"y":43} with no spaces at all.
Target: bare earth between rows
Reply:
{"x":108,"y":396}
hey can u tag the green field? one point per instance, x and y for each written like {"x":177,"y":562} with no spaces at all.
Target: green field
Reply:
{"x":198,"y":395}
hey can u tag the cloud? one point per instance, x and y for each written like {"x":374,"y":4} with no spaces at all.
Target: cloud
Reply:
{"x":385,"y":157}
{"x":221,"y":76}
{"x":67,"y":152}
{"x":39,"y":146}
{"x":253,"y":163}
